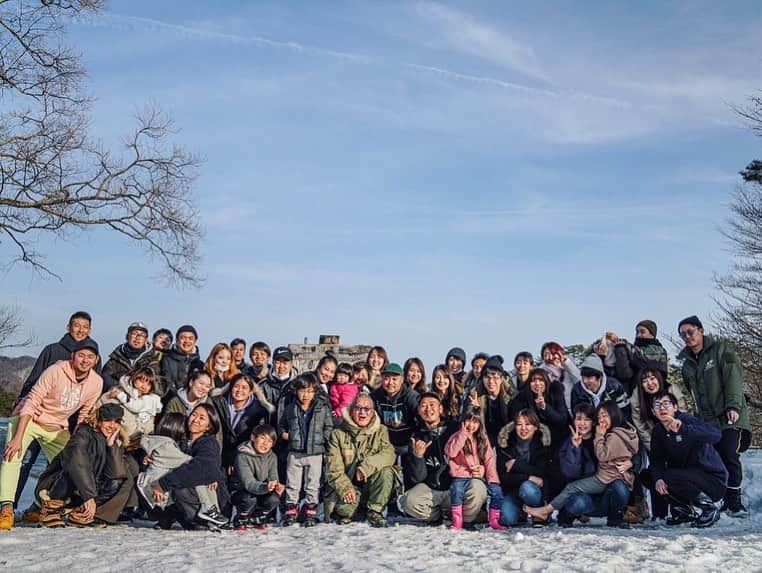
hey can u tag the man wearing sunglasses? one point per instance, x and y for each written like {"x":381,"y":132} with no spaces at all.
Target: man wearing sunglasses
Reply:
{"x":713,"y":374}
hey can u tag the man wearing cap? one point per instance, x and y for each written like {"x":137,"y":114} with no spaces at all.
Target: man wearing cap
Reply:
{"x":396,"y":404}
{"x":136,"y":352}
{"x":645,"y":352}
{"x":713,"y":374}
{"x":278,"y":379}
{"x":455,"y":361}
{"x":42,"y":416}
{"x":180,"y":359}
{"x":426,"y":471}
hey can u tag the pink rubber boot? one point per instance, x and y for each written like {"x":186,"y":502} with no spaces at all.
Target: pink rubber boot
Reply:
{"x":456,"y":512}
{"x":494,"y":520}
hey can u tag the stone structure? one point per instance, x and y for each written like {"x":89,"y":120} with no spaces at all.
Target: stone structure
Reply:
{"x":306,"y":356}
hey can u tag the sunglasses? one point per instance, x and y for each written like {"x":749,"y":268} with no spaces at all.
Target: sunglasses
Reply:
{"x":688,"y":332}
{"x":663,"y":404}
{"x":363,"y":409}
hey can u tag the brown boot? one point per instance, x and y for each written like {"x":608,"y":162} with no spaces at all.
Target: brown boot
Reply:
{"x":6,"y":516}
{"x":77,"y":519}
{"x":51,"y":513}
{"x":31,"y":515}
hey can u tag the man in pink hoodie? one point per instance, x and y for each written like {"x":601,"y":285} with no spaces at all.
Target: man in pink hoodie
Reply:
{"x":64,"y":388}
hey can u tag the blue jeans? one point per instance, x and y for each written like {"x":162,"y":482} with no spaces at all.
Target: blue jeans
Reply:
{"x":528,"y":494}
{"x":458,"y":490}
{"x":608,"y":504}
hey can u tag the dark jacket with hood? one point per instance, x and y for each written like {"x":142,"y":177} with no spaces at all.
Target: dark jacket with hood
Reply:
{"x":555,"y":415}
{"x":256,"y":411}
{"x":124,"y":358}
{"x":174,"y":367}
{"x":252,"y":471}
{"x":538,"y":463}
{"x":432,"y":469}
{"x":308,"y":431}
{"x":631,"y":359}
{"x":610,"y":391}
{"x":277,"y":392}
{"x":397,"y":413}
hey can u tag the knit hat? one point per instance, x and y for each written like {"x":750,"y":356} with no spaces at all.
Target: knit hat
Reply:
{"x":137,"y":326}
{"x":458,"y":353}
{"x":392,"y":368}
{"x":282,"y":353}
{"x":86,"y":344}
{"x":186,"y":328}
{"x":494,"y":363}
{"x":110,"y":411}
{"x":478,"y":356}
{"x":592,"y":366}
{"x":649,"y":325}
{"x":693,"y":320}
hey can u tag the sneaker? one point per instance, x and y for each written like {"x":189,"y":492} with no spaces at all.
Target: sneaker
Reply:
{"x":212,"y":515}
{"x":6,"y":517}
{"x":376,"y":519}
{"x":290,"y":516}
{"x":709,"y":514}
{"x":309,"y":515}
{"x":680,"y":514}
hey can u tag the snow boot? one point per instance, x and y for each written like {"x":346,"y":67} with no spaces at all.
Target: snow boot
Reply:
{"x":456,"y":513}
{"x":309,"y":515}
{"x":51,"y":514}
{"x":376,"y":519}
{"x":494,"y":519}
{"x":212,"y":515}
{"x":732,"y":504}
{"x":31,"y":514}
{"x":680,"y":513}
{"x":709,"y":512}
{"x":290,"y":516}
{"x":6,"y":517}
{"x":565,"y":519}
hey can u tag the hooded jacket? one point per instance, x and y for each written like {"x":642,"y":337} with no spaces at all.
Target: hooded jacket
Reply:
{"x":252,"y":471}
{"x":397,"y":413}
{"x":617,"y":445}
{"x":461,"y":463}
{"x":646,"y":427}
{"x":432,"y":468}
{"x":175,"y":365}
{"x":275,"y":390}
{"x":179,"y":403}
{"x":119,"y":363}
{"x":631,"y":359}
{"x":507,"y":449}
{"x":310,"y":431}
{"x":610,"y":390}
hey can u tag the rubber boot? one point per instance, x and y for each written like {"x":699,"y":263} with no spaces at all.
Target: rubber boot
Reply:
{"x":456,"y":513}
{"x":494,"y":519}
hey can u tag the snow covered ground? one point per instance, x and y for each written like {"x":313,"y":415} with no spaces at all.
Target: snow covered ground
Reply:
{"x":731,"y":545}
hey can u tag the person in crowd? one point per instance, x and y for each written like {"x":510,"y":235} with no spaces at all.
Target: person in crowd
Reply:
{"x":77,"y":329}
{"x":241,"y":408}
{"x":194,"y":392}
{"x":87,"y":478}
{"x":135,"y":392}
{"x":645,"y":352}
{"x":396,"y":404}
{"x":43,"y":415}
{"x":443,"y":385}
{"x":426,"y":470}
{"x":358,"y":464}
{"x":306,"y":426}
{"x":546,"y":399}
{"x":456,"y":362}
{"x":136,"y":352}
{"x":596,"y":388}
{"x":477,"y":365}
{"x":278,"y":379}
{"x":493,"y":397}
{"x":259,"y":354}
{"x":326,"y":371}
{"x":714,"y":375}
{"x":614,"y":445}
{"x":255,"y":488}
{"x":523,"y":465}
{"x":179,"y":360}
{"x":343,"y":390}
{"x":523,"y":363}
{"x":472,"y":459}
{"x":414,"y":374}
{"x":361,"y":376}
{"x":220,"y":367}
{"x":377,"y":360}
{"x":685,"y":467}
{"x":238,"y":348}
{"x":204,"y":469}
{"x":560,"y":368}
{"x":163,"y":451}
{"x":162,"y":340}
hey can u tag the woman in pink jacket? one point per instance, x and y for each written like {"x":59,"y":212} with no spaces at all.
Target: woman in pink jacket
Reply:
{"x":471,"y":457}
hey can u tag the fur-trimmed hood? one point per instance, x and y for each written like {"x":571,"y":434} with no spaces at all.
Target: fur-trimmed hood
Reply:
{"x":505,"y":433}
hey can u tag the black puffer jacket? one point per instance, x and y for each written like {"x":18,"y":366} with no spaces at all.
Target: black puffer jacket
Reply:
{"x":174,"y":367}
{"x":233,"y":436}
{"x":538,"y":464}
{"x":398,"y":414}
{"x":308,"y":433}
{"x":432,"y":469}
{"x":555,"y":415}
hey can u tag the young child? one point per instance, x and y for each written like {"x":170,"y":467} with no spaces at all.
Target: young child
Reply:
{"x":614,"y":447}
{"x":342,"y":391}
{"x":306,"y":425}
{"x":471,"y":457}
{"x":135,"y":393}
{"x":164,"y":451}
{"x":255,"y":486}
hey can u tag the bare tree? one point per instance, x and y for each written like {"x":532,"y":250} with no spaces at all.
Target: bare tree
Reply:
{"x":56,"y":180}
{"x":10,"y":324}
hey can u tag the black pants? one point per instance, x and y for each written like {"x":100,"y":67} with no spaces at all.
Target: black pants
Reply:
{"x":684,"y":484}
{"x":729,"y":447}
{"x":255,"y":505}
{"x":63,"y":488}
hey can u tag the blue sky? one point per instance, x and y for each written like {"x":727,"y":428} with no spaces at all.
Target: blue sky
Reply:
{"x":422,"y":174}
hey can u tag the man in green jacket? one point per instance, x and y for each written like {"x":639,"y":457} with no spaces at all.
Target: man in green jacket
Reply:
{"x":713,"y":374}
{"x":359,"y":463}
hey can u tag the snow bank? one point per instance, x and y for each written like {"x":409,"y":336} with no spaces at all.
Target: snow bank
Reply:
{"x":730,"y":545}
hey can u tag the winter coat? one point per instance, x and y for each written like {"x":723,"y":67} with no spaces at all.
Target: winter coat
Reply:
{"x":495,"y":413}
{"x":398,"y":414}
{"x":341,"y":396}
{"x":86,"y":460}
{"x":174,"y":367}
{"x":631,"y":359}
{"x":555,"y":415}
{"x":645,"y":427}
{"x":691,"y":447}
{"x":715,"y":379}
{"x":253,"y":471}
{"x":432,"y":468}
{"x":256,"y":411}
{"x":57,"y":395}
{"x":611,"y":391}
{"x":539,"y":457}
{"x":275,"y":391}
{"x":179,"y":403}
{"x":166,"y":455}
{"x":568,"y":375}
{"x":119,"y":364}
{"x":51,"y":354}
{"x":462,"y":463}
{"x":577,"y":462}
{"x":617,"y":445}
{"x":308,"y":432}
{"x":257,"y":374}
{"x":203,"y":469}
{"x":351,"y":447}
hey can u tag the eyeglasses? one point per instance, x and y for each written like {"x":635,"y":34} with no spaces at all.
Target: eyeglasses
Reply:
{"x":363,"y":409}
{"x":688,"y":332}
{"x":663,"y":404}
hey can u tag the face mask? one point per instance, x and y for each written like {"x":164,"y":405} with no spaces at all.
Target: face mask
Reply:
{"x":221,"y":369}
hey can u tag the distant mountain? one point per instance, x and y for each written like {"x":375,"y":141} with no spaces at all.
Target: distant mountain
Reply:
{"x":13,"y":372}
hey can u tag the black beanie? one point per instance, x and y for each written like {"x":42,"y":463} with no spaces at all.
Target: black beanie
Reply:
{"x":110,"y":411}
{"x":186,"y":328}
{"x":693,"y":320}
{"x":649,"y":325}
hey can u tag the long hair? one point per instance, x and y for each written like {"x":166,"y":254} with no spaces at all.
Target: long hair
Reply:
{"x":209,"y":364}
{"x":539,"y":372}
{"x":171,"y":425}
{"x":214,"y":419}
{"x":482,"y":441}
{"x":421,"y":386}
{"x":615,"y":414}
{"x":381,"y":352}
{"x":451,"y":397}
{"x":645,"y":401}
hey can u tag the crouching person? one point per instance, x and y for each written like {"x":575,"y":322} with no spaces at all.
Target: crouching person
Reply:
{"x":255,"y":486}
{"x":685,"y":466}
{"x":88,"y":474}
{"x":359,"y":463}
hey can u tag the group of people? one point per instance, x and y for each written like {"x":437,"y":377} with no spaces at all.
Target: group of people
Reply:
{"x":153,"y":432}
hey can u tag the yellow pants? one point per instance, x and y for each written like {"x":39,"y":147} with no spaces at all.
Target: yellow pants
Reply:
{"x":51,"y":442}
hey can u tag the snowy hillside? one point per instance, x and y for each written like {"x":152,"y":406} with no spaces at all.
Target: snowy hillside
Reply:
{"x":731,"y":545}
